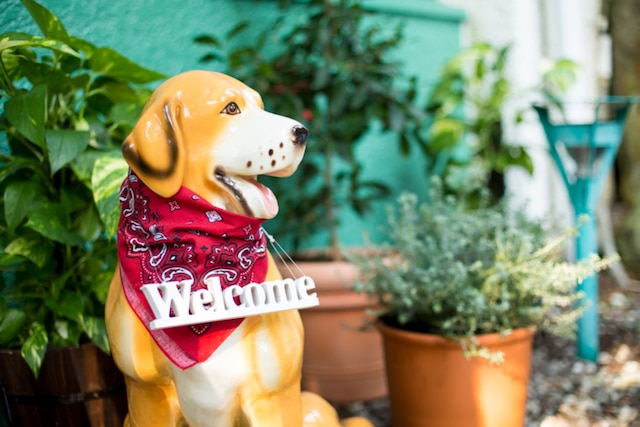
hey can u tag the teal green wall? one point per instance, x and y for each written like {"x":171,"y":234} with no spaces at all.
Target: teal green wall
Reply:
{"x":155,"y":33}
{"x":159,"y":35}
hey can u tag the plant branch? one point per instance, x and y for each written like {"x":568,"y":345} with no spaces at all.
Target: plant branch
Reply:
{"x":6,"y":81}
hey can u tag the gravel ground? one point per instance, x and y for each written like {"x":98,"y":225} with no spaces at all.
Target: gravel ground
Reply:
{"x":565,"y":391}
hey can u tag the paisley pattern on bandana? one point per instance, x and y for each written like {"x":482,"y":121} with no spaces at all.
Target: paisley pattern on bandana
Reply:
{"x":185,"y":238}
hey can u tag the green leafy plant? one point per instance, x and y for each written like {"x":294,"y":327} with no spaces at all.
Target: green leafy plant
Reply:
{"x":66,"y":107}
{"x":332,"y":70}
{"x":469,"y":101}
{"x":459,"y":272}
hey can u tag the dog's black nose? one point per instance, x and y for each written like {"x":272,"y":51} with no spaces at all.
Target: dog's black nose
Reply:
{"x":300,"y":135}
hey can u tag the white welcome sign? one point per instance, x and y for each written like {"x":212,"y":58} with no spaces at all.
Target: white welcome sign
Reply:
{"x":214,"y":304}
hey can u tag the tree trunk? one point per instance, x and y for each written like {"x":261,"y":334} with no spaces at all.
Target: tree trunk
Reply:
{"x":624,"y":16}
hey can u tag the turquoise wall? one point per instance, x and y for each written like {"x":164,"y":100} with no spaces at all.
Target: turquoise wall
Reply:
{"x":159,"y":34}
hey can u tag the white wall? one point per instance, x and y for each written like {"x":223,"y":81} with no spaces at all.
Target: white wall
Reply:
{"x":540,"y":30}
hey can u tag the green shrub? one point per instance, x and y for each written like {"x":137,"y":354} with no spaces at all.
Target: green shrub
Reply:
{"x":460,"y":272}
{"x":67,"y":105}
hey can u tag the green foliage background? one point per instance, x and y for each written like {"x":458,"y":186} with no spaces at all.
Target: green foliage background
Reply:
{"x":66,"y":107}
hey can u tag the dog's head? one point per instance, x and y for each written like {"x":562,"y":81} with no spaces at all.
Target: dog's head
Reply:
{"x":209,"y":132}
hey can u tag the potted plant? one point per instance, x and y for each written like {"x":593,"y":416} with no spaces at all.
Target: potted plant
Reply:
{"x":461,"y":292}
{"x":331,"y":68}
{"x":467,"y":106}
{"x":66,"y":107}
{"x":334,"y":71}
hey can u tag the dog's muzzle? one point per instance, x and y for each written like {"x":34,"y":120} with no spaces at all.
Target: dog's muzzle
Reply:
{"x":301,"y":134}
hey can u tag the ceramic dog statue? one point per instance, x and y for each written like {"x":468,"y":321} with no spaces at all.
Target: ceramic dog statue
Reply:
{"x":191,"y":218}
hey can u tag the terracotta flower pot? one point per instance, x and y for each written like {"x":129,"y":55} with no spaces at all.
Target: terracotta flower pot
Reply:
{"x":432,"y":383}
{"x":342,"y":362}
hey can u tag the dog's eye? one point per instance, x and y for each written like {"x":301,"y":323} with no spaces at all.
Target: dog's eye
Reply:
{"x":231,"y":109}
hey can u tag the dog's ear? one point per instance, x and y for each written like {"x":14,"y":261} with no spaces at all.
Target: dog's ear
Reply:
{"x":154,"y":149}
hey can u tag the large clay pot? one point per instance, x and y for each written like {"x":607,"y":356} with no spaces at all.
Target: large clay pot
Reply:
{"x":432,"y":383}
{"x":77,"y":386}
{"x":342,"y":362}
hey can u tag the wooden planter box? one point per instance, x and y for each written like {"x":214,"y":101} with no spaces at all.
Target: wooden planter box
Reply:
{"x":77,"y":386}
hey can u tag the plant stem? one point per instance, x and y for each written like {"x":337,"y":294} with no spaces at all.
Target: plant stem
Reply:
{"x":334,"y":252}
{"x":6,"y":81}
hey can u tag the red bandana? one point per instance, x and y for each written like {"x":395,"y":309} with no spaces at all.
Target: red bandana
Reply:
{"x":185,"y":238}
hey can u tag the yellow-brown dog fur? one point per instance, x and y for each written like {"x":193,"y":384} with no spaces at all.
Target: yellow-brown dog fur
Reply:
{"x":209,"y":132}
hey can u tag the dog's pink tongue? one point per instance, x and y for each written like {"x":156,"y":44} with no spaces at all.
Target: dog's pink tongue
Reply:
{"x":268,"y":199}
